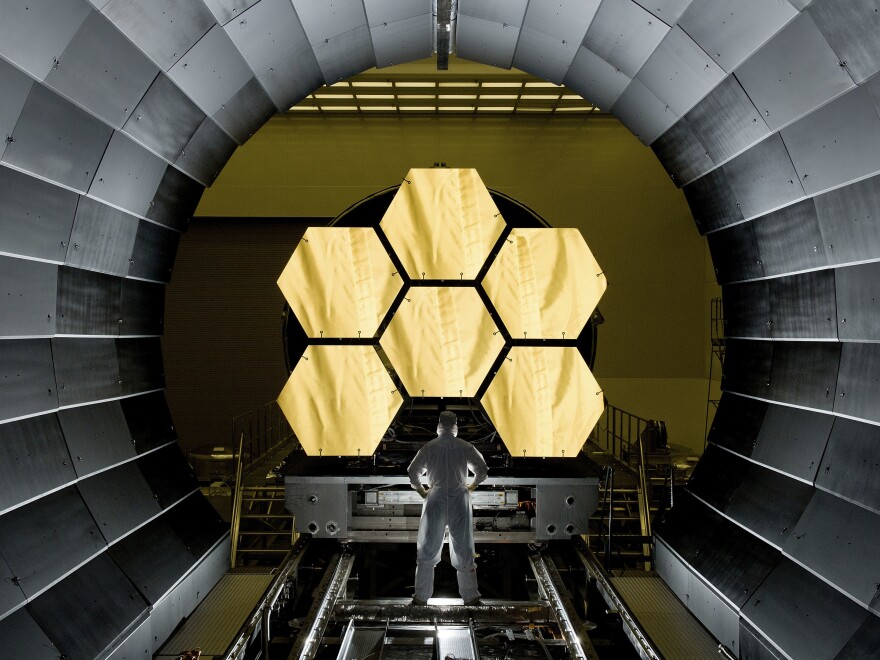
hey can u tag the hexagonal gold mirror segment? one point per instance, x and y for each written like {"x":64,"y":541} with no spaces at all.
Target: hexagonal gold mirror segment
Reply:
{"x":442,"y":341}
{"x":340,"y":400}
{"x":545,"y":283}
{"x":339,"y":282}
{"x":442,"y":224}
{"x":544,"y":401}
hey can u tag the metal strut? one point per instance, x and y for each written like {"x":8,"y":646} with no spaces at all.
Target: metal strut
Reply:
{"x":333,"y":590}
{"x":579,"y":646}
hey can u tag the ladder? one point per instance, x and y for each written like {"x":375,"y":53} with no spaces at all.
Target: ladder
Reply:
{"x":262,"y":529}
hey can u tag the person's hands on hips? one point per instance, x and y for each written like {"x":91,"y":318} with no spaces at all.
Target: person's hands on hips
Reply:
{"x":472,"y":486}
{"x":421,"y":490}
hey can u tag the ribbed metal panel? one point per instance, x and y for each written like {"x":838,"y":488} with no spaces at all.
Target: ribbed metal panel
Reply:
{"x":214,"y":625}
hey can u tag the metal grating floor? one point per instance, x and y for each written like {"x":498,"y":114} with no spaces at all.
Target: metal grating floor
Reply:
{"x":213,"y":625}
{"x":665,"y":619}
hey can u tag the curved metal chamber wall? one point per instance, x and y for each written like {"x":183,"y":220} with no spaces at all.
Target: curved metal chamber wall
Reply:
{"x":117,"y":113}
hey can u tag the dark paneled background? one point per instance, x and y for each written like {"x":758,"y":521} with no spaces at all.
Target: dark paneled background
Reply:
{"x":222,"y":344}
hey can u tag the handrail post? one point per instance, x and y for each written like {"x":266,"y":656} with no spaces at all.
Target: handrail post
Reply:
{"x":609,"y":489}
{"x":236,"y":505}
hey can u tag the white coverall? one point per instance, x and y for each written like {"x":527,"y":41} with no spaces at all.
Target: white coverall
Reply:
{"x":446,"y":460}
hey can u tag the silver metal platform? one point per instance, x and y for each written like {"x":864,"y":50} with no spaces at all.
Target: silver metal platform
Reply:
{"x":664,"y":618}
{"x":215,"y":624}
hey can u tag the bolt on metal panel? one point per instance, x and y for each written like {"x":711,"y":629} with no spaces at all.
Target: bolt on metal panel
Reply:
{"x":212,"y":71}
{"x":345,"y":55}
{"x":726,"y":122}
{"x":119,"y":500}
{"x":16,"y":88}
{"x":858,"y":386}
{"x":88,"y":302}
{"x":34,"y":33}
{"x":96,"y":437}
{"x":86,"y":370}
{"x":747,"y":367}
{"x":128,"y":175}
{"x":763,"y":178}
{"x":738,"y":423}
{"x":165,"y":119}
{"x":102,"y":238}
{"x":790,"y":239}
{"x":717,"y":477}
{"x":27,"y":378}
{"x":667,"y":11}
{"x":543,"y":55}
{"x":566,"y":20}
{"x":206,"y":153}
{"x":803,"y":306}
{"x":28,"y":290}
{"x":681,"y":153}
{"x":833,"y":617}
{"x":402,"y":41}
{"x":390,"y":11}
{"x":849,"y":464}
{"x":769,"y":504}
{"x":140,"y":364}
{"x":243,"y":114}
{"x":624,"y":35}
{"x":35,"y":217}
{"x":163,"y":29}
{"x":837,"y":144}
{"x":595,"y":79}
{"x":857,"y":295}
{"x":731,"y":33}
{"x":793,"y":74}
{"x":719,"y":618}
{"x":175,"y":200}
{"x":486,"y":41}
{"x":804,"y":373}
{"x":852,"y":30}
{"x":838,"y":540}
{"x":153,"y":254}
{"x":103,"y":71}
{"x":154,"y":558}
{"x":679,"y":72}
{"x":225,"y":10}
{"x":97,"y":598}
{"x":33,"y":460}
{"x":323,"y":21}
{"x":793,"y":440}
{"x":57,"y":141}
{"x":712,"y":202}
{"x":74,"y":538}
{"x":149,"y":421}
{"x":747,"y":310}
{"x":643,"y":113}
{"x":272,"y":41}
{"x":735,"y":254}
{"x":168,"y":475}
{"x":849,"y":219}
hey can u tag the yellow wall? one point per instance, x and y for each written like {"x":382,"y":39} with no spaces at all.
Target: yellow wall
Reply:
{"x":585,"y":172}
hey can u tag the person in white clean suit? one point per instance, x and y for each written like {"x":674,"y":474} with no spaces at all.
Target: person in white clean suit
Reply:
{"x":446,"y":460}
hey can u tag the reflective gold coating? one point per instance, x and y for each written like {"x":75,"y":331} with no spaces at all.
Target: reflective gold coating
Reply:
{"x":544,"y":401}
{"x":442,"y":224}
{"x":339,"y":282}
{"x":340,"y":400}
{"x":442,"y":341}
{"x":545,"y":283}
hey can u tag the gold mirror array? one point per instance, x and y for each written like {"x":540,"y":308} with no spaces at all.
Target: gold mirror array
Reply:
{"x":442,"y":341}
